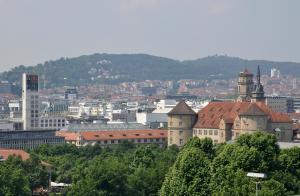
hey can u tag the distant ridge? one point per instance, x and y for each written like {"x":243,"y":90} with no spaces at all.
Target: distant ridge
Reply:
{"x":114,"y":68}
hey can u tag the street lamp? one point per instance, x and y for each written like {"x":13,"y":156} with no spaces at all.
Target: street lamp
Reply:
{"x":256,"y":175}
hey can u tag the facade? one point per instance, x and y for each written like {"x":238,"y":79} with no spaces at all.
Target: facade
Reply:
{"x":106,"y":138}
{"x":224,"y":121}
{"x":28,"y":139}
{"x":30,"y":102}
{"x":52,"y":122}
{"x":5,"y":87}
{"x":180,"y":123}
{"x":245,"y":85}
{"x":277,"y":103}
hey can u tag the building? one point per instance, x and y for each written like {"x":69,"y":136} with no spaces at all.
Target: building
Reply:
{"x":71,"y":94}
{"x":224,"y":121}
{"x":227,"y":120}
{"x":5,"y":87}
{"x":245,"y":85}
{"x":258,"y":94}
{"x":181,"y":120}
{"x":5,"y":153}
{"x":277,"y":103}
{"x":112,"y":137}
{"x":275,"y":73}
{"x":30,"y":102}
{"x":28,"y":139}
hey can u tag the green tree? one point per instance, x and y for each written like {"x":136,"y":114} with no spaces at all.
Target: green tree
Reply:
{"x":190,"y":174}
{"x":13,"y":181}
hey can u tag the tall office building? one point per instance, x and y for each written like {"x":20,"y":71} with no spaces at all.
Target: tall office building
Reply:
{"x":30,"y":101}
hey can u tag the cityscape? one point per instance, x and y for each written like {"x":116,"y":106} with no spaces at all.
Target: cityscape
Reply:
{"x":140,"y":124}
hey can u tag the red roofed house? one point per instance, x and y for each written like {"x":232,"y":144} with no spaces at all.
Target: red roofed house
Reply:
{"x":105,"y":138}
{"x":5,"y":153}
{"x":224,"y":121}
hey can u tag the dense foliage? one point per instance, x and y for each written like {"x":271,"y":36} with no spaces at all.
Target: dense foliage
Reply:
{"x":203,"y":169}
{"x":200,"y":168}
{"x":114,"y":68}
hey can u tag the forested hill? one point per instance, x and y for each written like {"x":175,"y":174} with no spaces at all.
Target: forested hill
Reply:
{"x":113,"y":68}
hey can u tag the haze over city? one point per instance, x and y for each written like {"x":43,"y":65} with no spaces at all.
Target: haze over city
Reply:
{"x":35,"y":31}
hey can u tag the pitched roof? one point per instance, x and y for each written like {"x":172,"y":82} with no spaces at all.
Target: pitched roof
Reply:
{"x":116,"y":135}
{"x":246,"y":72}
{"x":253,"y":110}
{"x":211,"y":115}
{"x":182,"y":109}
{"x":5,"y":153}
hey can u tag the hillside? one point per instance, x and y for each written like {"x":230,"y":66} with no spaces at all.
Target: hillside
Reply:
{"x":114,"y":68}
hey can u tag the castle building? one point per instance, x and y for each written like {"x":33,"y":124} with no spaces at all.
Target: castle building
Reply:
{"x":245,"y":85}
{"x":181,"y":120}
{"x":225,"y":121}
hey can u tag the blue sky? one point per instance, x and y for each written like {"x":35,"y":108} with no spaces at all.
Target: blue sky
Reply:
{"x":33,"y":31}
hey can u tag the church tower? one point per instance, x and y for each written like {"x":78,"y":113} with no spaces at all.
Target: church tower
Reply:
{"x":181,"y":120}
{"x":245,"y":85}
{"x":258,"y":94}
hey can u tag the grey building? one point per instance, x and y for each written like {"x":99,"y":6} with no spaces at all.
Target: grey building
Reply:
{"x":29,"y":139}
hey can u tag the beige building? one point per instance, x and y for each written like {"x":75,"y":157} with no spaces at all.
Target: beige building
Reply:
{"x":224,"y":121}
{"x":181,"y":120}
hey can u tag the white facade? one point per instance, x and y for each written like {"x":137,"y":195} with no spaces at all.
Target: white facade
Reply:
{"x":30,"y":102}
{"x":275,"y":73}
{"x":52,"y":123}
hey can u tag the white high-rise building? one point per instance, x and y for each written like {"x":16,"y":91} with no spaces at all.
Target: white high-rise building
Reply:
{"x":275,"y":73}
{"x":30,"y":101}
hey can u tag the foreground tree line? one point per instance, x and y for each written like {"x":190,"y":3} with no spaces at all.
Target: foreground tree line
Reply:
{"x":199,"y":168}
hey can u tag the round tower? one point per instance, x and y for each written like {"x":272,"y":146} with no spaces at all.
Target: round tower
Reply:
{"x":181,"y":120}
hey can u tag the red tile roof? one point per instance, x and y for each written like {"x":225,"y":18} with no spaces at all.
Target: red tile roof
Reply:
{"x":114,"y":135}
{"x":182,"y":109}
{"x":211,"y":115}
{"x":69,"y":136}
{"x":246,"y":72}
{"x":128,"y":134}
{"x":5,"y":153}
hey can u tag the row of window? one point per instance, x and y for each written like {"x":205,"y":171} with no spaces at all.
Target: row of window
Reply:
{"x":52,"y":125}
{"x":205,"y":132}
{"x":54,"y":120}
{"x":132,"y":140}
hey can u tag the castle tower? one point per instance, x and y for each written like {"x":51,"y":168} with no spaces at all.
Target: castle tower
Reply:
{"x":258,"y":94}
{"x":181,"y":120}
{"x":245,"y":85}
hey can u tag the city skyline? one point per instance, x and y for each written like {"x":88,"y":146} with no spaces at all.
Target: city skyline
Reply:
{"x":179,"y":30}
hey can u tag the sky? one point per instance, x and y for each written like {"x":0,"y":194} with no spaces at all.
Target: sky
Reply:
{"x":34,"y":31}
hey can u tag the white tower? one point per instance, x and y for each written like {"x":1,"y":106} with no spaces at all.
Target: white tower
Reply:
{"x":30,"y":102}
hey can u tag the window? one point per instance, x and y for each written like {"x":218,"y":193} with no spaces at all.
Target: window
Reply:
{"x":205,"y":132}
{"x":215,"y":132}
{"x":181,"y":141}
{"x":180,"y":123}
{"x":210,"y":132}
{"x":112,"y":141}
{"x":215,"y":141}
{"x":145,"y":140}
{"x":200,"y":132}
{"x":180,"y":132}
{"x":139,"y":140}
